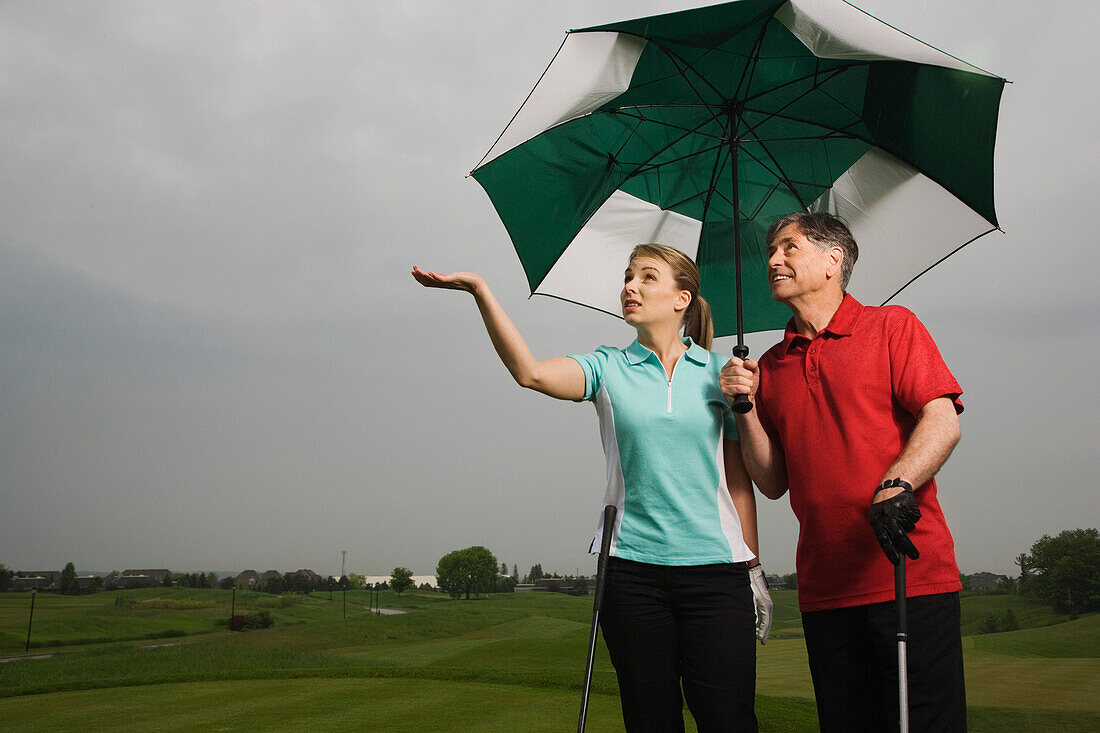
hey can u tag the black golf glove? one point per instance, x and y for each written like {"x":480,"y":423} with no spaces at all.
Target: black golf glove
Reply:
{"x":892,"y":520}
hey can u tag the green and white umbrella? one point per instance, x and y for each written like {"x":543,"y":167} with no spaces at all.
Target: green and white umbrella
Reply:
{"x":658,"y":129}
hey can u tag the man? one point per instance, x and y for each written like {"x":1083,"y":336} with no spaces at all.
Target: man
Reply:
{"x":855,"y":412}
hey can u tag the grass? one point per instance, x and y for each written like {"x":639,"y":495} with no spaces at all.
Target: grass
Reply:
{"x":503,"y":662}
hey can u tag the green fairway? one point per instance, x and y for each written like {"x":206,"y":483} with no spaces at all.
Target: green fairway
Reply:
{"x":163,"y":659}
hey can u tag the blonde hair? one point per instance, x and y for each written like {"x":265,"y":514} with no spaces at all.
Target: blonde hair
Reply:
{"x":698,"y":325}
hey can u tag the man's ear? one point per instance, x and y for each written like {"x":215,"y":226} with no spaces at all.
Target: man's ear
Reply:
{"x":836,"y":258}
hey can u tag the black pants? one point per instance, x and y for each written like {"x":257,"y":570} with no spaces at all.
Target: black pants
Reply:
{"x":695,"y":624}
{"x":854,"y":665}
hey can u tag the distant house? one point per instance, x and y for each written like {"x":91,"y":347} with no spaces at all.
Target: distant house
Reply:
{"x":123,"y":582}
{"x":312,"y":577}
{"x":985,"y":581}
{"x":551,"y":585}
{"x":86,"y":583}
{"x":270,"y":575}
{"x":157,"y":574}
{"x":247,"y":580}
{"x":775,"y":582}
{"x":51,"y":576}
{"x":32,"y":581}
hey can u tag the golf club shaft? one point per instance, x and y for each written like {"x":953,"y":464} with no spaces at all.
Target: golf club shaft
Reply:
{"x":903,"y":639}
{"x":601,"y":573}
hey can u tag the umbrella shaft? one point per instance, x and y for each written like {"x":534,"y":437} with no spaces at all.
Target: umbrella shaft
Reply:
{"x":736,"y":232}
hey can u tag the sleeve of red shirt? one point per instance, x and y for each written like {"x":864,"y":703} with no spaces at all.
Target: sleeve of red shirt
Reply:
{"x":918,"y":371}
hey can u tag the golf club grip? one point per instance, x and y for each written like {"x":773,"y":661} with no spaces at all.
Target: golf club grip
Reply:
{"x":609,"y":513}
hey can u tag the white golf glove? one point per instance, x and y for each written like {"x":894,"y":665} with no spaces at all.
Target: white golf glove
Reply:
{"x":763,"y":601}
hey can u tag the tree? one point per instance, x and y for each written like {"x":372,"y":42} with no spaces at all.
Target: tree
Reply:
{"x":1009,"y":622}
{"x":5,"y":578}
{"x":472,"y":570}
{"x":68,"y":585}
{"x":1025,"y":568}
{"x":536,"y":573}
{"x":1065,"y":570}
{"x":401,"y":579}
{"x":515,"y":574}
{"x":965,"y":580}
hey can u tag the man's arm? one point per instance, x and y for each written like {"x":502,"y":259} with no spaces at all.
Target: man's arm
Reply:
{"x":763,"y":457}
{"x":895,"y":511}
{"x":928,"y":448}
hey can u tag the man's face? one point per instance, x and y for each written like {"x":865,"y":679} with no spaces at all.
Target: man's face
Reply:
{"x":797,"y":268}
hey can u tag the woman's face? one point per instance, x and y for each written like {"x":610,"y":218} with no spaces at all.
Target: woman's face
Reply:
{"x":650,"y":294}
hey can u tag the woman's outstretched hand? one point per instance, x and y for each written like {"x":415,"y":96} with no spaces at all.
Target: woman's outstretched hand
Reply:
{"x":468,"y":281}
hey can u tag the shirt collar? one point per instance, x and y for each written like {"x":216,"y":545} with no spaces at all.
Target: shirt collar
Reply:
{"x":636,"y":353}
{"x":841,"y":324}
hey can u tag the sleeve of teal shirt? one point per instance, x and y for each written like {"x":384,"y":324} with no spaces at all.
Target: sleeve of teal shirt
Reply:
{"x":592,"y":364}
{"x":731,"y":426}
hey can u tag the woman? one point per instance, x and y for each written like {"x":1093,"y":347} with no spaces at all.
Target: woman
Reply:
{"x":679,"y":601}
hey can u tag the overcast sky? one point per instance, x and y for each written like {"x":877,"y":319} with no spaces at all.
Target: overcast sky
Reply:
{"x":212,"y":356}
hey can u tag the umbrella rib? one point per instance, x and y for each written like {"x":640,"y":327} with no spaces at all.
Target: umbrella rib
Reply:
{"x":835,"y":71}
{"x":525,"y":100}
{"x":648,"y":166}
{"x":778,"y":113}
{"x":915,"y":277}
{"x":641,"y":117}
{"x":754,"y":59}
{"x":782,"y":176}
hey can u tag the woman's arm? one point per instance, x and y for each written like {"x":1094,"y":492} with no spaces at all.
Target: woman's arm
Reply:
{"x":560,"y":377}
{"x":744,"y":500}
{"x":740,"y":488}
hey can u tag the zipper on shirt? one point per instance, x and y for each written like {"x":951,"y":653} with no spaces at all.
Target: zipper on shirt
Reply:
{"x":670,"y":395}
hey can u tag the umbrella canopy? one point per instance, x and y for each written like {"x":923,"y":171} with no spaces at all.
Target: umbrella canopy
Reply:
{"x":659,"y":129}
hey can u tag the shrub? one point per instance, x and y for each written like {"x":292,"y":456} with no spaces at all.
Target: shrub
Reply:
{"x":244,"y":622}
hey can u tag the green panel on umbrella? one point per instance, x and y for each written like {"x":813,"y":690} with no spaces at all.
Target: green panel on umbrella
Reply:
{"x":704,"y":27}
{"x":942,"y":121}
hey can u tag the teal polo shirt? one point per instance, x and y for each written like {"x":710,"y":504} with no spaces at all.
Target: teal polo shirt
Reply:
{"x":663,"y":440}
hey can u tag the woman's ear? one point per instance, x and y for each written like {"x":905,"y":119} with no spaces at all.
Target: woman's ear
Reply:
{"x":683,"y":300}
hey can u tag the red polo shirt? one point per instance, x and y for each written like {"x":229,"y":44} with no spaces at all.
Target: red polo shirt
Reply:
{"x":842,"y":406}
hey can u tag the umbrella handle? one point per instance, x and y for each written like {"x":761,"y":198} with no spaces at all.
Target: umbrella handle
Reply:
{"x":741,"y":403}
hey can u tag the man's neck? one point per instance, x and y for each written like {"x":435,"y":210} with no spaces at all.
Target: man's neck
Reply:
{"x":813,"y":312}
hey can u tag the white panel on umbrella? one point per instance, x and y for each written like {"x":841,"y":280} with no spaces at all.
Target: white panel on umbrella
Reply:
{"x":839,"y":30}
{"x":589,"y":70}
{"x":590,"y":271}
{"x":903,"y":222}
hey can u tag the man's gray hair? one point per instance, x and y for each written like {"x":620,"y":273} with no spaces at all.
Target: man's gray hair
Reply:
{"x":825,"y":231}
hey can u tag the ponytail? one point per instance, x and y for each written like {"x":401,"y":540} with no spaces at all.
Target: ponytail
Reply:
{"x":698,"y":325}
